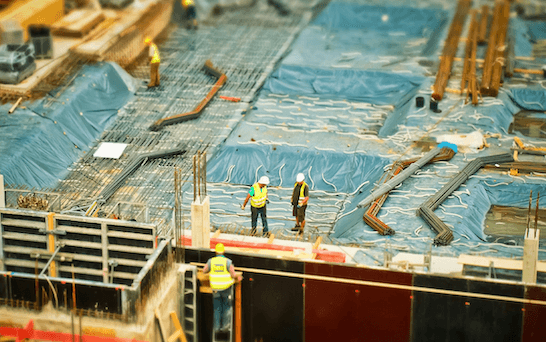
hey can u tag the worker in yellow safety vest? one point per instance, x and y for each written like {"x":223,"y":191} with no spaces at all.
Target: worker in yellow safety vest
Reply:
{"x":189,"y":8}
{"x":153,"y":56}
{"x":258,"y":199}
{"x":300,"y":197}
{"x":221,"y":275}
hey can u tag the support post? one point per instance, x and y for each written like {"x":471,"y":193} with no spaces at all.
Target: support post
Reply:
{"x":530,"y":255}
{"x":238,"y":313}
{"x":51,"y":243}
{"x":2,"y":205}
{"x":200,"y":223}
{"x":104,"y":245}
{"x":2,"y":193}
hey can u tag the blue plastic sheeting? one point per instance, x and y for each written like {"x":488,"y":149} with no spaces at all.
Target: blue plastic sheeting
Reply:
{"x":39,"y":143}
{"x":413,"y":22}
{"x":537,"y":29}
{"x":364,"y":37}
{"x":519,"y":30}
{"x":531,"y":98}
{"x":375,"y":87}
{"x":326,"y":171}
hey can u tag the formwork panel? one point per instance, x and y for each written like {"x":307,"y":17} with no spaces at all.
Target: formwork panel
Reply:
{"x":533,"y":315}
{"x":451,"y":316}
{"x":335,"y":307}
{"x":280,"y":305}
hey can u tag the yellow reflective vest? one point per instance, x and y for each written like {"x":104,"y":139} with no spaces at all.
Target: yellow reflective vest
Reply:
{"x":302,"y":196}
{"x":260,"y":195}
{"x":219,"y":276}
{"x":154,"y":53}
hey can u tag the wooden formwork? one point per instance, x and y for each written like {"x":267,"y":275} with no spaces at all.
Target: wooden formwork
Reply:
{"x":103,"y":250}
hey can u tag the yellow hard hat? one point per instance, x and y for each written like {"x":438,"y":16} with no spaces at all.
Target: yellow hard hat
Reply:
{"x":219,"y":248}
{"x":147,"y":40}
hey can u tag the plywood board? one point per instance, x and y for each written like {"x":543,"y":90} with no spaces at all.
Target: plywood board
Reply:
{"x":78,"y":23}
{"x":509,"y":264}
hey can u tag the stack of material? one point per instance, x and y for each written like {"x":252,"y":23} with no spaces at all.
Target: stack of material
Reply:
{"x":122,"y":40}
{"x":115,"y":3}
{"x":78,"y":23}
{"x":16,"y":62}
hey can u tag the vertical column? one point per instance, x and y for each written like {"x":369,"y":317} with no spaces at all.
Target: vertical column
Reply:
{"x":530,"y":255}
{"x":200,"y":223}
{"x":2,"y":205}
{"x":51,"y":243}
{"x":104,"y":245}
{"x":2,"y":193}
{"x":238,"y":313}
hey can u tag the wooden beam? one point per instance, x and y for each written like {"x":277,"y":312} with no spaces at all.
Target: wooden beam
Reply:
{"x":216,"y":234}
{"x":271,"y":238}
{"x":450,"y":49}
{"x":317,"y":243}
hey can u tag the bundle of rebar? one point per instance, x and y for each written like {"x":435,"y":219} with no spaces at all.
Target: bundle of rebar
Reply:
{"x":426,"y":210}
{"x":499,"y":61}
{"x":494,"y":56}
{"x":450,"y":49}
{"x":468,"y":79}
{"x":484,"y":21}
{"x":136,"y":162}
{"x":391,"y":183}
{"x":370,"y":216}
{"x":222,"y":78}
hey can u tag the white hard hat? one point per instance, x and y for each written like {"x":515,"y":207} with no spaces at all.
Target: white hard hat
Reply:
{"x":264,"y":180}
{"x":300,"y":177}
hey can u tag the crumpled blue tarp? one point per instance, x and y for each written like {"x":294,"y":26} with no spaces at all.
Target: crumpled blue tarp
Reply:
{"x":374,"y":87}
{"x":240,"y":164}
{"x":39,"y":143}
{"x":406,"y":20}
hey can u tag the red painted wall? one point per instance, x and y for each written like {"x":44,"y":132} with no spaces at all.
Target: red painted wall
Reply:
{"x":352,"y":312}
{"x":534,"y":315}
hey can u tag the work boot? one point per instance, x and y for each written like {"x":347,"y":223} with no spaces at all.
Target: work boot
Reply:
{"x":296,"y":228}
{"x":266,"y":234}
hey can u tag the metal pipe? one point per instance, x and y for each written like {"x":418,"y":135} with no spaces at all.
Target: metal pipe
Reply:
{"x":393,"y":182}
{"x":51,"y":259}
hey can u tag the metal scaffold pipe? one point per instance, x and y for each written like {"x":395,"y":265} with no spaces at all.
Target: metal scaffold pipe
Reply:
{"x":393,"y":182}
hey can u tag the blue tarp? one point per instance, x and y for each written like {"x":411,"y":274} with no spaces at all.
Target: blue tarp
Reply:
{"x":375,"y":87}
{"x":39,"y":143}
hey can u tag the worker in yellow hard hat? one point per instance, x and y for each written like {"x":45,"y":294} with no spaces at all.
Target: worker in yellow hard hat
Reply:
{"x":222,"y":276}
{"x":153,"y":56}
{"x":258,"y":199}
{"x":189,"y":8}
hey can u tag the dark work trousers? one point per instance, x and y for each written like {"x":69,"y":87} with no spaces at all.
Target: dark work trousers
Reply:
{"x":222,"y":302}
{"x":154,"y":75}
{"x":255,"y":212}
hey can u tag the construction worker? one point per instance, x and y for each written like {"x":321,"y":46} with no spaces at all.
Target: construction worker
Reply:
{"x":258,"y":199}
{"x":300,"y":197}
{"x":153,"y":56}
{"x":189,"y":8}
{"x":222,"y":276}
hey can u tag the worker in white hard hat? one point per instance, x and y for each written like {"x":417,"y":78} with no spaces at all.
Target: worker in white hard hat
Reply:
{"x":153,"y":56}
{"x":300,"y":197}
{"x":258,"y":199}
{"x":222,"y":276}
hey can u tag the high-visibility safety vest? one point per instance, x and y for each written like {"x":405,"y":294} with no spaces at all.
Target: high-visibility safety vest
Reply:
{"x":154,"y":53}
{"x":302,"y":189}
{"x":260,"y":195}
{"x":187,"y":3}
{"x":219,"y":276}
